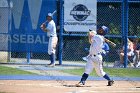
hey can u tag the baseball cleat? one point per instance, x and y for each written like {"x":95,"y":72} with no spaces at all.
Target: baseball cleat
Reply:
{"x":51,"y":65}
{"x":138,"y":65}
{"x":80,"y":84}
{"x":110,"y":83}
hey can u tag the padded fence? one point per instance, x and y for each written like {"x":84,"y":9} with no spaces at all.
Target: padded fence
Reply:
{"x":21,"y":36}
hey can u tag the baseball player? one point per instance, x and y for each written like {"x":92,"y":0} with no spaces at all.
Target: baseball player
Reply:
{"x":51,"y":33}
{"x":94,"y":59}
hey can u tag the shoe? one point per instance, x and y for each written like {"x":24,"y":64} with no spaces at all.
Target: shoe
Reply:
{"x":110,"y":83}
{"x":51,"y":65}
{"x":80,"y":84}
{"x":138,"y":65}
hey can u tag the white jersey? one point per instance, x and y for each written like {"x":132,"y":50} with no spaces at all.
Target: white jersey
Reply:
{"x":52,"y":29}
{"x":96,"y":45}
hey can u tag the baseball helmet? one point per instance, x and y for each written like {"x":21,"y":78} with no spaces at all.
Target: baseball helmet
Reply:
{"x":103,"y":30}
{"x":106,"y":29}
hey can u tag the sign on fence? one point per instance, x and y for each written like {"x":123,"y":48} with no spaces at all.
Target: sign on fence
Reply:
{"x":80,"y":15}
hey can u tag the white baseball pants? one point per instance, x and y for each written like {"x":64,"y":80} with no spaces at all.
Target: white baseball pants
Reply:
{"x":52,"y":45}
{"x":94,"y":62}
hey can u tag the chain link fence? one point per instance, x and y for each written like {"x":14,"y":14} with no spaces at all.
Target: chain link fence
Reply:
{"x":75,"y":44}
{"x":108,"y":14}
{"x":79,"y":46}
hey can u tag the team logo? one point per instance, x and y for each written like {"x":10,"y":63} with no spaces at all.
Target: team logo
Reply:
{"x":80,"y":12}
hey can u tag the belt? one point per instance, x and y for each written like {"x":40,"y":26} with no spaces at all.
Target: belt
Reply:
{"x":96,"y":54}
{"x":52,"y":36}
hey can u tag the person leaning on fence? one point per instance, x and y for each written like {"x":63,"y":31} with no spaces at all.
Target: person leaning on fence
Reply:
{"x":51,"y":33}
{"x":136,"y":53}
{"x":130,"y":52}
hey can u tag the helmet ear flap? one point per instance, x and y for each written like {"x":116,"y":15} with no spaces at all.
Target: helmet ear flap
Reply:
{"x":100,"y":31}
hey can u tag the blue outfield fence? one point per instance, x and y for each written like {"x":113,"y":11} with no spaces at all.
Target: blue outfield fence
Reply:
{"x":25,"y":33}
{"x":21,"y":36}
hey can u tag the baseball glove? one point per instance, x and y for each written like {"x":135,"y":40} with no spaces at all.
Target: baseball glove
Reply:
{"x":43,"y":26}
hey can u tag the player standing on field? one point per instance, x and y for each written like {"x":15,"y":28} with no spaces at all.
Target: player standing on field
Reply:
{"x":94,"y":59}
{"x":51,"y":33}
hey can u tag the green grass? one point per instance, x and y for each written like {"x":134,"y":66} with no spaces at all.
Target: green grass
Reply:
{"x":13,"y":71}
{"x":119,"y":72}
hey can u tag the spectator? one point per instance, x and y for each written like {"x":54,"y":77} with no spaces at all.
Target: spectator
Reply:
{"x":130,"y":52}
{"x":136,"y":53}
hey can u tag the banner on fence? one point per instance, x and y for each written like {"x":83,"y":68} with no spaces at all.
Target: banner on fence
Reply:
{"x":80,"y":15}
{"x":20,"y":25}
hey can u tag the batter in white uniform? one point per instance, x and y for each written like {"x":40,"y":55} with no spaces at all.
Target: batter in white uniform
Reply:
{"x":94,"y":59}
{"x":51,"y":33}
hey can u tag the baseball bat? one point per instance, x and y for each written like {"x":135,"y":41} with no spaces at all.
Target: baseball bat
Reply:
{"x":54,"y":12}
{"x":110,"y":42}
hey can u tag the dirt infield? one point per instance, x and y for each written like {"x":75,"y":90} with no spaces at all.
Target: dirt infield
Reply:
{"x":30,"y":86}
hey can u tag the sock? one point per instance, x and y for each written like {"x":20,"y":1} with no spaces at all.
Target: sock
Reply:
{"x":84,"y":77}
{"x":52,"y":58}
{"x":106,"y":77}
